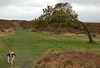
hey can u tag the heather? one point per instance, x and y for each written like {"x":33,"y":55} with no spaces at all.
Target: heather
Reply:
{"x":69,"y":59}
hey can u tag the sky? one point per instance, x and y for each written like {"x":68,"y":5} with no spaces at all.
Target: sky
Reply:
{"x":88,"y":10}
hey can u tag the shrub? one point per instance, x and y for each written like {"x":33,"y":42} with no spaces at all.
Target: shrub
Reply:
{"x":40,"y":23}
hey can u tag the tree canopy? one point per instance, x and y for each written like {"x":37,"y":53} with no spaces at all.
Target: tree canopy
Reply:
{"x":61,"y":13}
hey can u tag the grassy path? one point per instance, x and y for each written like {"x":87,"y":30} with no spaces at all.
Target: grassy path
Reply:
{"x":31,"y":46}
{"x":22,"y":43}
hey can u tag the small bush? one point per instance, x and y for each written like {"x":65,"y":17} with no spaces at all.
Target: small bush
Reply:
{"x":69,"y":59}
{"x":40,"y":23}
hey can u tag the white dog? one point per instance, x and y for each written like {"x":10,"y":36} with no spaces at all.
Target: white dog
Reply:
{"x":10,"y":57}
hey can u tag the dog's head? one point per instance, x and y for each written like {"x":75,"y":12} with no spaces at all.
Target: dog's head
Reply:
{"x":11,"y":52}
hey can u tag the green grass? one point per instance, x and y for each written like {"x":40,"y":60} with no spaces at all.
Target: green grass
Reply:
{"x":31,"y":46}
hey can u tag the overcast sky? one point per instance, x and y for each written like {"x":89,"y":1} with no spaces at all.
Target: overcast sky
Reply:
{"x":88,"y":10}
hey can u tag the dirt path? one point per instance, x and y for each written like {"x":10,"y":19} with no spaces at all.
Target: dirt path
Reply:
{"x":17,"y":26}
{"x":26,"y":63}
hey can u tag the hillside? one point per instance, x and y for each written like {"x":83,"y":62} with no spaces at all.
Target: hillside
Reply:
{"x":32,"y":46}
{"x":5,"y":24}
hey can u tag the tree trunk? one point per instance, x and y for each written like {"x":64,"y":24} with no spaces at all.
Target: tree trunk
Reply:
{"x":88,"y":32}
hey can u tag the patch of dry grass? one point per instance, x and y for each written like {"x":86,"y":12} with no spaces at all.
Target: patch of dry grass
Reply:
{"x":7,"y":32}
{"x":81,"y":36}
{"x":68,"y":34}
{"x":71,"y":35}
{"x":95,"y":49}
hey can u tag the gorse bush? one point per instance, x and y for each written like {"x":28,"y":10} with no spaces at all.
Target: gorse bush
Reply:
{"x":69,"y":59}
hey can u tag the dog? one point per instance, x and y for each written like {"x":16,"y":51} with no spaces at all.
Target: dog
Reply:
{"x":10,"y":57}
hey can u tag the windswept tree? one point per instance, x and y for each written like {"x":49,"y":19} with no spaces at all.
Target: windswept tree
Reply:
{"x":61,"y":13}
